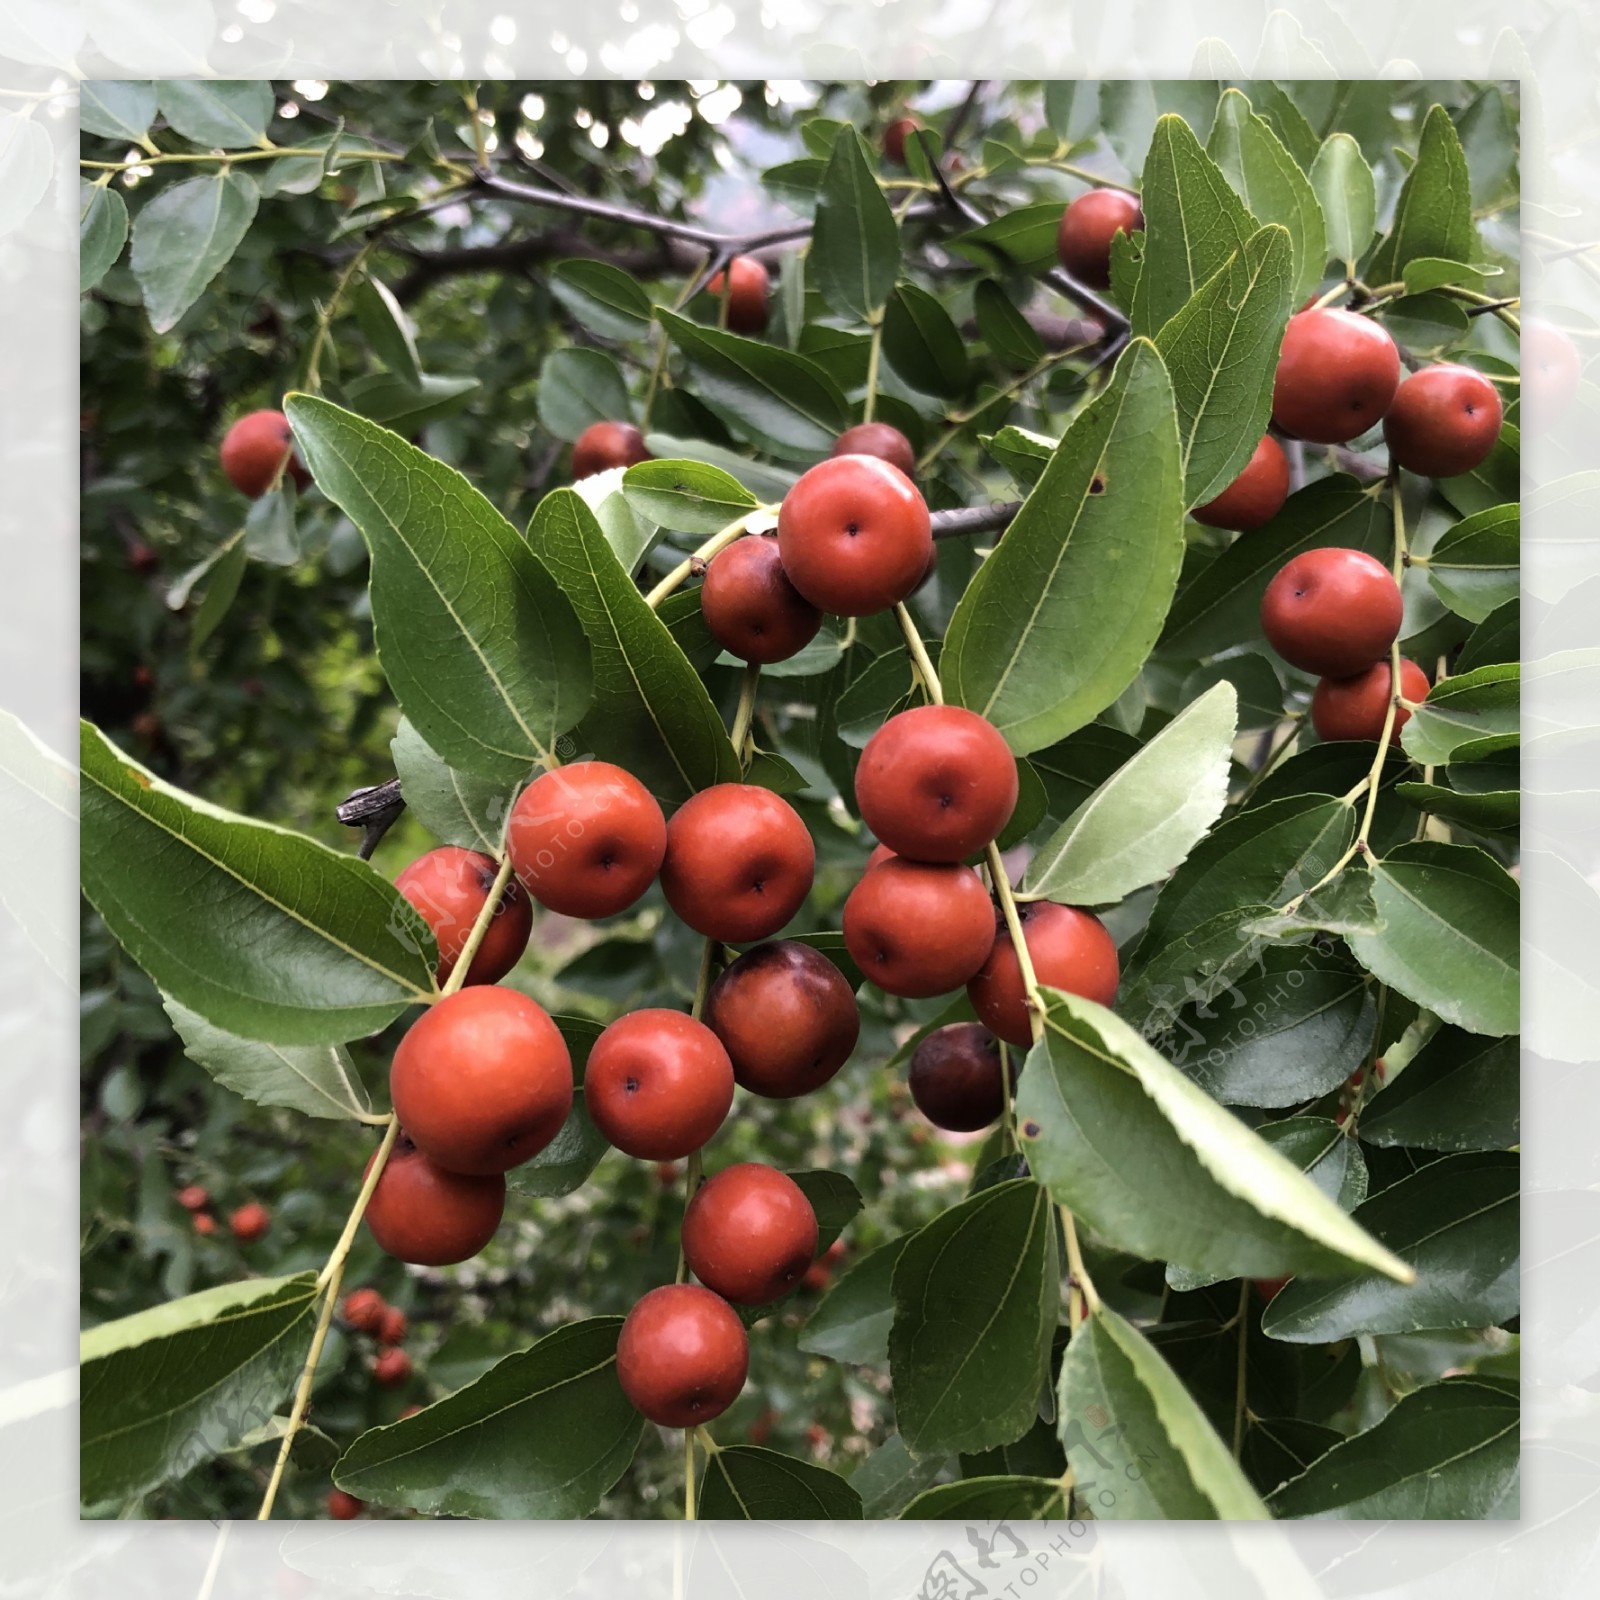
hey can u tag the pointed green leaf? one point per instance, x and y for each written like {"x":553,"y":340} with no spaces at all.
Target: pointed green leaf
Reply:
{"x":1033,"y":644}
{"x":1450,"y":935}
{"x":215,"y":112}
{"x":1265,"y":176}
{"x":1461,"y":1091}
{"x":1344,"y":187}
{"x":975,"y":1306}
{"x":686,"y":496}
{"x":579,"y":387}
{"x":116,"y":108}
{"x":1143,"y":820}
{"x":404,"y":407}
{"x":1433,"y":216}
{"x":1159,"y":1457}
{"x":185,"y":236}
{"x":481,"y":649}
{"x":923,"y":344}
{"x":1450,"y":1450}
{"x":891,"y":1477}
{"x":1473,"y":566}
{"x":1023,"y":239}
{"x":318,"y":1080}
{"x":1474,"y":712}
{"x":171,"y":1387}
{"x":834,"y":1198}
{"x":387,"y":330}
{"x":455,"y":807}
{"x":1004,"y":329}
{"x":852,"y":1322}
{"x":604,"y":298}
{"x":744,"y":1483}
{"x":196,"y":894}
{"x":855,"y":246}
{"x":1221,"y":348}
{"x":543,"y":1433}
{"x":651,"y":712}
{"x":102,"y":232}
{"x":1456,"y":1224}
{"x":1193,"y":221}
{"x":1099,"y":1110}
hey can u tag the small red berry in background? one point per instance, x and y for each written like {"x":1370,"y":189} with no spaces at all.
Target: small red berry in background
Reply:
{"x":392,"y":1368}
{"x":608,"y":444}
{"x":393,"y":1327}
{"x":253,"y":450}
{"x":204,"y":1224}
{"x":744,"y":283}
{"x":895,"y":136}
{"x":1088,"y":225}
{"x":193,"y":1197}
{"x":250,"y":1222}
{"x":363,"y":1309}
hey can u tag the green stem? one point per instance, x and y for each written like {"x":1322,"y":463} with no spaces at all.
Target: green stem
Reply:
{"x":718,"y":541}
{"x":920,"y":660}
{"x":873,"y":351}
{"x":163,"y":158}
{"x":744,"y":714}
{"x":1240,"y":1369}
{"x":688,"y":1474}
{"x":312,"y":380}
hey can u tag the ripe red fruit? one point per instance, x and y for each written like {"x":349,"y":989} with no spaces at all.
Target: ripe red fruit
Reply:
{"x":936,"y":783}
{"x":607,"y":444}
{"x":432,"y":1218}
{"x":393,"y":1326}
{"x":363,"y":1309}
{"x":1070,"y":950}
{"x":854,"y":535}
{"x":745,"y":284}
{"x":786,"y":1016}
{"x":895,"y":136}
{"x":919,"y":928}
{"x":449,"y":887}
{"x":817,"y":1278}
{"x":751,"y":608}
{"x":255,"y":447}
{"x":1332,"y":611}
{"x":250,"y":1222}
{"x":739,"y":862}
{"x":392,"y":1368}
{"x":1255,"y":497}
{"x":1551,"y":371}
{"x":1354,"y":708}
{"x":482,"y":1082}
{"x":344,"y":1507}
{"x":682,"y":1355}
{"x":880,"y":854}
{"x":658,"y":1084}
{"x":955,"y":1077}
{"x":204,"y":1223}
{"x":586,"y":840}
{"x":1083,"y":242}
{"x":1444,"y":421}
{"x":193,"y":1197}
{"x":1337,"y":374}
{"x":749,"y":1233}
{"x":880,"y":440}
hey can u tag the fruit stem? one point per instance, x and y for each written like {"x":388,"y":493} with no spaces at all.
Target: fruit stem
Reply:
{"x":873,"y":352}
{"x":744,"y":715}
{"x":688,"y":1474}
{"x":918,"y":651}
{"x":480,"y":929}
{"x":718,"y":541}
{"x":328,"y":1281}
{"x":1082,"y":1292}
{"x":1338,"y":291}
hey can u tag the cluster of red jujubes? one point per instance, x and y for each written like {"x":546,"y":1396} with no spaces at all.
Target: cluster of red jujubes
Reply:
{"x":246,"y":1223}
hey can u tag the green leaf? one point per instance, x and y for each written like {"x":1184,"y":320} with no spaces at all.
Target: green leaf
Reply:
{"x":1473,"y":566}
{"x":1489,"y":141}
{"x":891,"y":1477}
{"x":185,"y":236}
{"x":834,"y":1198}
{"x":975,"y":1297}
{"x":481,"y":649}
{"x":1129,"y":108}
{"x":455,"y":807}
{"x":686,"y":496}
{"x":1456,"y":1224}
{"x":1344,"y":906}
{"x":1023,"y":239}
{"x":1487,"y":810}
{"x":1033,"y":645}
{"x":215,"y":112}
{"x":1160,"y":1458}
{"x":1193,"y":221}
{"x":1022,"y":453}
{"x":1349,"y":199}
{"x":744,"y":1483}
{"x":195,"y":894}
{"x":630,"y":533}
{"x":651,"y":712}
{"x":1279,"y":1448}
{"x":318,"y":1080}
{"x":1461,"y":1091}
{"x":1143,"y":820}
{"x":922,"y":344}
{"x":1255,"y":683}
{"x":872,"y":698}
{"x":1003,"y":328}
{"x":1286,"y":120}
{"x":1265,"y":176}
{"x":1450,"y":1450}
{"x":579,"y":387}
{"x":1428,"y":272}
{"x":270,"y":534}
{"x":855,"y":245}
{"x":988,"y":1500}
{"x":1221,"y":348}
{"x":1220,"y":607}
{"x":227,"y":572}
{"x":1495,"y":641}
{"x":1433,"y":216}
{"x":387,"y":330}
{"x":1466,"y":717}
{"x":102,"y":232}
{"x":543,"y":1433}
{"x":1496,"y":480}
{"x":1450,"y":935}
{"x":566,"y":1162}
{"x":1294,"y":1027}
{"x":405,"y":407}
{"x":116,"y":108}
{"x":168,"y":1388}
{"x":604,"y":298}
{"x":775,"y":399}
{"x":1099,"y":1110}
{"x":852,"y":1322}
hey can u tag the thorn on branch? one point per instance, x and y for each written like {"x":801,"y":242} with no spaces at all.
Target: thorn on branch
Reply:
{"x":375,"y":810}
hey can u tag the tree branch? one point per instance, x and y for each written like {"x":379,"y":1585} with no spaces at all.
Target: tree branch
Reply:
{"x":968,"y":520}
